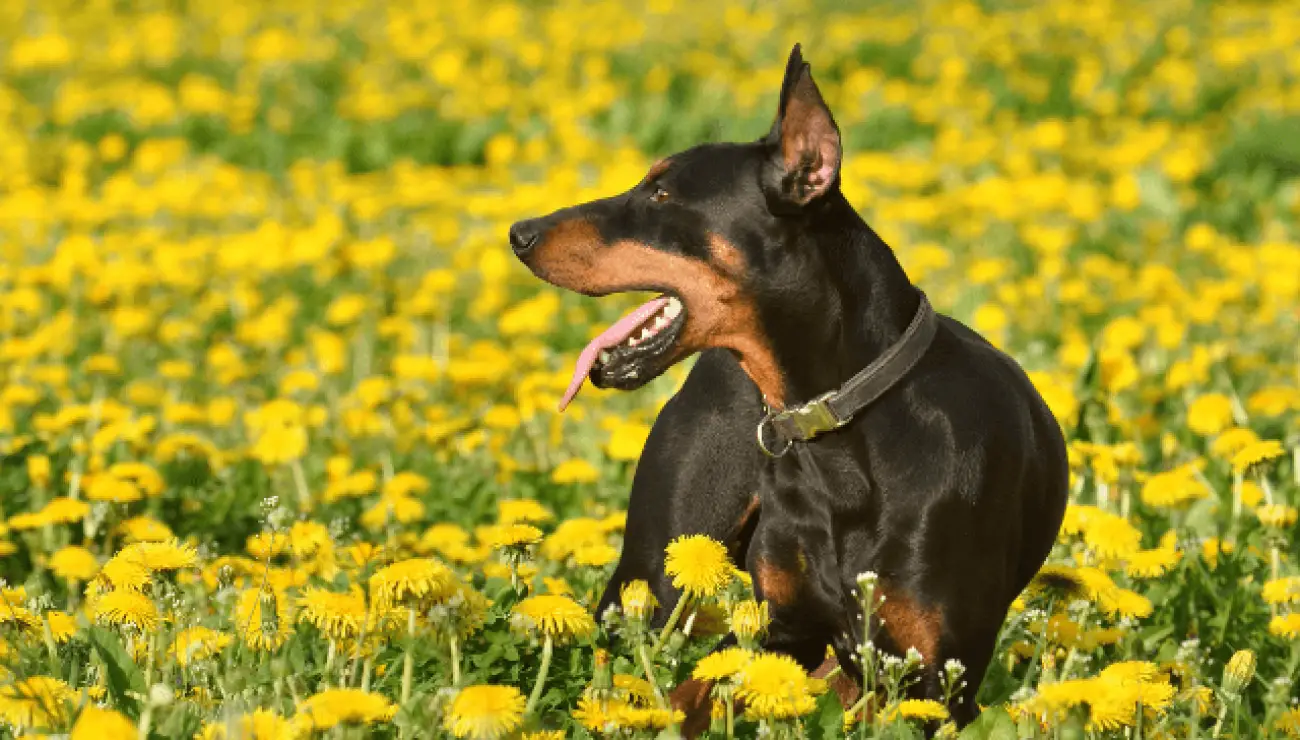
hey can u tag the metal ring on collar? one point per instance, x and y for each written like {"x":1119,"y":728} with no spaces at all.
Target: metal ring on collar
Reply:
{"x":766,"y":421}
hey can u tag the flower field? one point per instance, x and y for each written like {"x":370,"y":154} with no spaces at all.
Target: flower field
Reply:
{"x":279,"y":455}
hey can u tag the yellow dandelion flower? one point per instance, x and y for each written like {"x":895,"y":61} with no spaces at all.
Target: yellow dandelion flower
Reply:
{"x":774,"y":686}
{"x":1289,"y":722}
{"x":266,"y":545}
{"x":338,"y":615}
{"x":1212,"y":547}
{"x":144,"y":529}
{"x":595,"y":556}
{"x":1061,"y":580}
{"x":161,"y":556}
{"x":1285,"y":625}
{"x":389,"y":509}
{"x":1257,"y":453}
{"x":698,"y":565}
{"x":1152,"y":563}
{"x":1055,"y":699}
{"x":646,"y":718}
{"x":1209,"y":414}
{"x":485,"y":712}
{"x":636,"y":689}
{"x":440,"y":537}
{"x":121,"y":573}
{"x":95,"y":723}
{"x":1174,"y":488}
{"x":1281,"y":590}
{"x":125,"y":608}
{"x":1112,"y":704}
{"x":35,"y":703}
{"x":575,"y":471}
{"x":1127,"y":603}
{"x":406,"y":483}
{"x":1201,"y":698}
{"x":523,"y":510}
{"x":509,"y":535}
{"x":1232,"y":441}
{"x":1277,"y":516}
{"x":262,"y":618}
{"x":926,"y":710}
{"x":262,"y":724}
{"x":307,"y":539}
{"x":570,"y":535}
{"x":543,"y":735}
{"x":558,"y":617}
{"x":74,"y":563}
{"x":1112,"y":536}
{"x":62,"y":625}
{"x":1130,"y":670}
{"x":598,"y":715}
{"x":722,"y":665}
{"x":198,"y":643}
{"x":417,"y":580}
{"x":347,"y":707}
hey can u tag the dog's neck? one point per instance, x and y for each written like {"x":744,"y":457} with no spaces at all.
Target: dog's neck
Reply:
{"x":821,"y":340}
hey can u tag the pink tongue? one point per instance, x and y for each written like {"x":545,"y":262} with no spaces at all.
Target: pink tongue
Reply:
{"x":619,"y":331}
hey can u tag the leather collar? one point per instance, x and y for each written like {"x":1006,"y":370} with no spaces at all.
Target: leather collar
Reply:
{"x":779,"y":430}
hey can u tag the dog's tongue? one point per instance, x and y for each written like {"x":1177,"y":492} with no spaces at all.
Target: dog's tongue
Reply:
{"x":616,"y":333}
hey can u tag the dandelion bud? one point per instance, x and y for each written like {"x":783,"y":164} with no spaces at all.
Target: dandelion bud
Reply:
{"x":602,"y":679}
{"x":1239,"y":671}
{"x":638,"y":602}
{"x":749,"y":620}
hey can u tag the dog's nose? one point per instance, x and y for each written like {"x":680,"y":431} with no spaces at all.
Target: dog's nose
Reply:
{"x":524,"y":236}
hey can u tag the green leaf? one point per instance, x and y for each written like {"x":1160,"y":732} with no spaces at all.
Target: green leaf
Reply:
{"x":123,"y":676}
{"x":993,"y":724}
{"x":828,"y":718}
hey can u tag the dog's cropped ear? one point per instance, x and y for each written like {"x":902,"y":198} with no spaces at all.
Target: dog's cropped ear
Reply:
{"x":804,"y":141}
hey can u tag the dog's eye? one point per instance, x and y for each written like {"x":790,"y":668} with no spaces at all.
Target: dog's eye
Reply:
{"x":660,"y":195}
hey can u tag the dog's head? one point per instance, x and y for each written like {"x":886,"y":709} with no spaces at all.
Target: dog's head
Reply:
{"x":705,"y":228}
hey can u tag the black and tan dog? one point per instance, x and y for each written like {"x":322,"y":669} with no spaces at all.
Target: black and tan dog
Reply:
{"x":833,"y":424}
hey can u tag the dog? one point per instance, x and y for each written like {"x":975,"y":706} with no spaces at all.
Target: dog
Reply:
{"x":832,"y":424}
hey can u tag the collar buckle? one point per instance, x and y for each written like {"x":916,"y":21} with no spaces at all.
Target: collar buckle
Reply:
{"x":815,"y":417}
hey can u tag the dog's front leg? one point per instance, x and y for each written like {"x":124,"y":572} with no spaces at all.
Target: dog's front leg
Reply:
{"x":795,"y":570}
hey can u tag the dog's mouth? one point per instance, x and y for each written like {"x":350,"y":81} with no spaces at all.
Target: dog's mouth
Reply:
{"x":633,"y":350}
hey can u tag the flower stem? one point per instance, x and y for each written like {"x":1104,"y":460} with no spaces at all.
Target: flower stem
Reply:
{"x":408,"y":662}
{"x":547,"y":648}
{"x":648,"y":665}
{"x":300,"y":485}
{"x":731,"y":715}
{"x":454,"y":645}
{"x":670,"y":624}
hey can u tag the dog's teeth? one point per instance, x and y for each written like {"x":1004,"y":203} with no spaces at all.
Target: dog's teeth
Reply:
{"x":673,"y":308}
{"x":661,"y":322}
{"x":646,"y":334}
{"x":604,"y":356}
{"x":634,"y":341}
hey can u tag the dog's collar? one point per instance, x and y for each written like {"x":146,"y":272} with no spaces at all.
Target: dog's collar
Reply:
{"x":779,"y":430}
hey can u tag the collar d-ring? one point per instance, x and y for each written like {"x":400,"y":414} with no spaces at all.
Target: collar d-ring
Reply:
{"x":766,"y":421}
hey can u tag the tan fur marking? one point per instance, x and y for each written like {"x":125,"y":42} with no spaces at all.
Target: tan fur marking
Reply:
{"x":844,"y":687}
{"x":691,"y":697}
{"x":719,"y":313}
{"x":776,"y":584}
{"x":745,"y":516}
{"x":909,"y":624}
{"x":657,"y":169}
{"x":727,"y":255}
